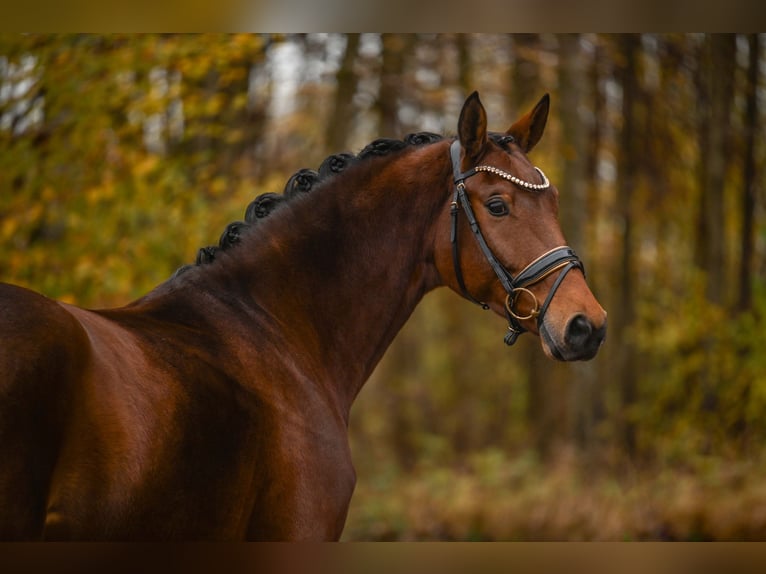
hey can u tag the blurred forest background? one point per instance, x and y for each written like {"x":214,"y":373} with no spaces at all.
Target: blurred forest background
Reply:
{"x":120,"y":156}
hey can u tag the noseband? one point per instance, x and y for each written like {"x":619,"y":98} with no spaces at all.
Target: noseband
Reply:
{"x":562,"y":259}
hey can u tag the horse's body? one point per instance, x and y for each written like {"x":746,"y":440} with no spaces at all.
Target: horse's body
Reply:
{"x":216,"y":407}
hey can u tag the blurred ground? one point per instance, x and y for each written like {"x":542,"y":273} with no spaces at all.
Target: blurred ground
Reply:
{"x":494,"y":496}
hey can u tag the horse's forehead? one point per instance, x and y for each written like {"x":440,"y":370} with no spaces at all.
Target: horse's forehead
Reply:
{"x":515,"y":157}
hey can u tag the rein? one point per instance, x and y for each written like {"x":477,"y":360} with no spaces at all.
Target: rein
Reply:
{"x":562,"y":259}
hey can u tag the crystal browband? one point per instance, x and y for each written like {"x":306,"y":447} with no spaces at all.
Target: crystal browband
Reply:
{"x":516,"y":180}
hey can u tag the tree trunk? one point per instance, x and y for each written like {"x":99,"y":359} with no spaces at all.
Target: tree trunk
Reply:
{"x":744,"y":303}
{"x":716,"y":91}
{"x":525,"y":72}
{"x":593,"y":238}
{"x":623,"y":315}
{"x":339,"y":124}
{"x":395,"y":47}
{"x":465,"y":75}
{"x":749,"y":181}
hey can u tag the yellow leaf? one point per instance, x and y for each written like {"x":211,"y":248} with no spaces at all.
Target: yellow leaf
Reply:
{"x":9,"y":228}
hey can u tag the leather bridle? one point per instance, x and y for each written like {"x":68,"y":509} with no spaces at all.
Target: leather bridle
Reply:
{"x":562,"y":259}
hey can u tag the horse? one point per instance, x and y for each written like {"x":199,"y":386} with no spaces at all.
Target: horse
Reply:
{"x":216,"y":406}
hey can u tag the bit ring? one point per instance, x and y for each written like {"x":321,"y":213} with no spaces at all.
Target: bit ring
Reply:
{"x":512,"y":298}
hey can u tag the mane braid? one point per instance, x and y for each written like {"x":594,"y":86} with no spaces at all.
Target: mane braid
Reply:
{"x":301,"y":183}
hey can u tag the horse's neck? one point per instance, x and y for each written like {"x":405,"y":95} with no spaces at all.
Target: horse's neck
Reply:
{"x":342,"y":271}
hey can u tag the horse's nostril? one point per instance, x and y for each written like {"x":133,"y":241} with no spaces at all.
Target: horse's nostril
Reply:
{"x":578,"y":331}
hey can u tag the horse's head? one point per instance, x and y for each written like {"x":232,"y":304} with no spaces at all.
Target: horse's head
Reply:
{"x":505,"y":249}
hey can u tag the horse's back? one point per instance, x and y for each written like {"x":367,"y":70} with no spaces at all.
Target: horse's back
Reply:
{"x":41,"y":348}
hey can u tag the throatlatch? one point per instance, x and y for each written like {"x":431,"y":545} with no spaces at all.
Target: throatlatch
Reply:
{"x":562,"y":259}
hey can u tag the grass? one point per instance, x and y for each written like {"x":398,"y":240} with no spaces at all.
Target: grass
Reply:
{"x":492,"y":496}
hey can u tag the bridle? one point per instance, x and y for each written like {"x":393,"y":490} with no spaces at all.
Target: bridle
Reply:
{"x":562,"y":259}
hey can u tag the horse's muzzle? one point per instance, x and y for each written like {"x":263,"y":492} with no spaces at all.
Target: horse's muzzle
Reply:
{"x":582,"y":339}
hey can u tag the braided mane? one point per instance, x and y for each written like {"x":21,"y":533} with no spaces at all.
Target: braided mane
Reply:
{"x":300,"y":183}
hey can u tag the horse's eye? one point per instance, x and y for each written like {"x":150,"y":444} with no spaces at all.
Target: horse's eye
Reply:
{"x":497,"y":207}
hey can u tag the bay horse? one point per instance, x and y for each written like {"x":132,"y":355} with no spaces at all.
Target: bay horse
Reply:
{"x":216,"y":406}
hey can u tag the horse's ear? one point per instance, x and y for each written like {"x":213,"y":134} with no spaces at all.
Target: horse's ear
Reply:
{"x":529,"y":129}
{"x":472,"y":128}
